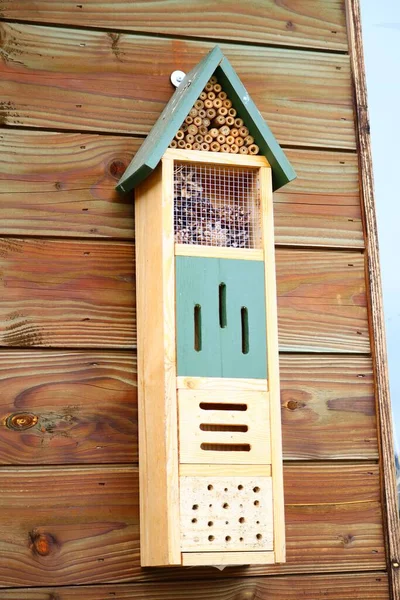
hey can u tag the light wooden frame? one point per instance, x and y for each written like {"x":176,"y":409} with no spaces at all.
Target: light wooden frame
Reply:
{"x":157,"y":377}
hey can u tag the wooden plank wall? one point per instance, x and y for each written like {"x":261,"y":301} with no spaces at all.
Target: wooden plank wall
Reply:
{"x":81,"y":85}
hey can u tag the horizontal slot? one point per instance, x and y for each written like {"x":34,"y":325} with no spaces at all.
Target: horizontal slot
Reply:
{"x":220,"y":406}
{"x":226,"y":447}
{"x":215,"y":427}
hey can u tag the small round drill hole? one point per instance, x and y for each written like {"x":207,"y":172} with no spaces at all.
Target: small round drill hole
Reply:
{"x":240,"y":487}
{"x":240,"y":539}
{"x":256,"y":503}
{"x":195,"y":506}
{"x":210,"y":523}
{"x":210,"y":506}
{"x":225,"y":489}
{"x":211,"y":538}
{"x":194,"y":520}
{"x":228,"y":538}
{"x":225,"y":505}
{"x":240,"y":505}
{"x":256,"y":489}
{"x":226,"y":522}
{"x":259,"y":536}
{"x":242,"y":520}
{"x":257,"y":522}
{"x":210,"y":487}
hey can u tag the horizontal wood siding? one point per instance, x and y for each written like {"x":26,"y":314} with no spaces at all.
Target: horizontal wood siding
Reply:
{"x":81,"y":407}
{"x":64,"y":184}
{"x":63,"y":526}
{"x":317,"y":24}
{"x":89,"y":80}
{"x":81,"y":85}
{"x":82,"y":294}
{"x":356,"y":586}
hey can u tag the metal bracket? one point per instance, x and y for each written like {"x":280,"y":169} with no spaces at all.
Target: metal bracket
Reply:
{"x":177,"y":77}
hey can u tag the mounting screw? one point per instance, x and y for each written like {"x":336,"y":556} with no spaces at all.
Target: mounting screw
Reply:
{"x":395,"y":564}
{"x":177,"y":77}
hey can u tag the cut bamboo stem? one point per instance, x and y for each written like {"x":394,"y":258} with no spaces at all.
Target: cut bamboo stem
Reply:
{"x":254,"y":149}
{"x":215,"y":147}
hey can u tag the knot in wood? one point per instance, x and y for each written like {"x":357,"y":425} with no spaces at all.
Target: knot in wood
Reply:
{"x":21,"y":421}
{"x":294,"y":404}
{"x":116,"y":168}
{"x":42,"y":543}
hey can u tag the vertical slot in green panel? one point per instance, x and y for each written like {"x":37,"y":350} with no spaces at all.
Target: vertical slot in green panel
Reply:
{"x":195,"y":279}
{"x":221,"y":324}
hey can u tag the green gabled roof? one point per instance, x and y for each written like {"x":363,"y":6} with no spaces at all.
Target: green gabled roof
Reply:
{"x":177,"y":109}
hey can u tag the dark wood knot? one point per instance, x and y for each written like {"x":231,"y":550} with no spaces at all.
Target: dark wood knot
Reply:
{"x":117,"y":168}
{"x":294,"y":404}
{"x":21,"y":421}
{"x":42,"y":543}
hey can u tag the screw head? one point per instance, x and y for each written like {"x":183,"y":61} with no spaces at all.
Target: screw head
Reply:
{"x":177,"y":77}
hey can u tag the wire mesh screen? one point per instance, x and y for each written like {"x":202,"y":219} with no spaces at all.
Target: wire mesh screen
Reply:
{"x":217,"y":206}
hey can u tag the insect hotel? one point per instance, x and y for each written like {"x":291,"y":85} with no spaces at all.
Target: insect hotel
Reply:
{"x":211,"y":490}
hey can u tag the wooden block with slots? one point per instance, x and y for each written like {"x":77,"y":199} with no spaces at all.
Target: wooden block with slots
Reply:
{"x":211,"y":490}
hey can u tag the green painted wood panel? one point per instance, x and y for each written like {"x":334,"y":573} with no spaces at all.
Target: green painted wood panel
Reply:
{"x":225,"y":351}
{"x":159,"y":138}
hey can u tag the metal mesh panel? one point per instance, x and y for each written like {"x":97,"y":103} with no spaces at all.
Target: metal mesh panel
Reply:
{"x":217,"y":206}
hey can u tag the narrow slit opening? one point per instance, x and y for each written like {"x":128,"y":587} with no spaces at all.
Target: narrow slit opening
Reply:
{"x":245,"y":330}
{"x":197,"y":328}
{"x":226,"y":447}
{"x":220,"y":406}
{"x":215,"y":427}
{"x":222,"y":305}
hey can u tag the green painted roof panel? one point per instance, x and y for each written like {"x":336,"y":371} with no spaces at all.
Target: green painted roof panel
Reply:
{"x":168,"y":123}
{"x":177,"y":109}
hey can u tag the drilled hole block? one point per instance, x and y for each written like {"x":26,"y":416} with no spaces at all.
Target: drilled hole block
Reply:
{"x":227,"y":517}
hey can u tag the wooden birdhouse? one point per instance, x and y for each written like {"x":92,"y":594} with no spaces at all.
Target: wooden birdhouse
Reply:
{"x":211,"y":489}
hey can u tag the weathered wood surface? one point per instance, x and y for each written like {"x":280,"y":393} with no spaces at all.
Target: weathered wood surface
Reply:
{"x":374,"y":286}
{"x":59,"y":293}
{"x":316,"y":24}
{"x":60,"y":407}
{"x":64,"y":526}
{"x":328,"y":408}
{"x":67,"y":407}
{"x":322,"y":206}
{"x":356,"y":586}
{"x":321,"y":301}
{"x":89,"y":80}
{"x":64,"y":184}
{"x":81,"y":294}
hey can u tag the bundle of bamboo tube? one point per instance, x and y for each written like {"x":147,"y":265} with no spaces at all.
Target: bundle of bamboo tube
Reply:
{"x":212,"y":124}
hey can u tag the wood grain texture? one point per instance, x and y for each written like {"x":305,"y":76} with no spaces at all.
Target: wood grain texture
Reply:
{"x":88,"y":80}
{"x":354,"y":586}
{"x":65,"y":526}
{"x":317,"y":24}
{"x":375,"y":300}
{"x":82,"y":294}
{"x":328,"y":408}
{"x":66,"y":293}
{"x":321,"y":301}
{"x":322,"y":206}
{"x":86,"y":402}
{"x":64,"y":184}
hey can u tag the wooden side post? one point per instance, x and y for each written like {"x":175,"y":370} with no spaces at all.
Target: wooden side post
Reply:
{"x":377,"y":324}
{"x":155,"y":290}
